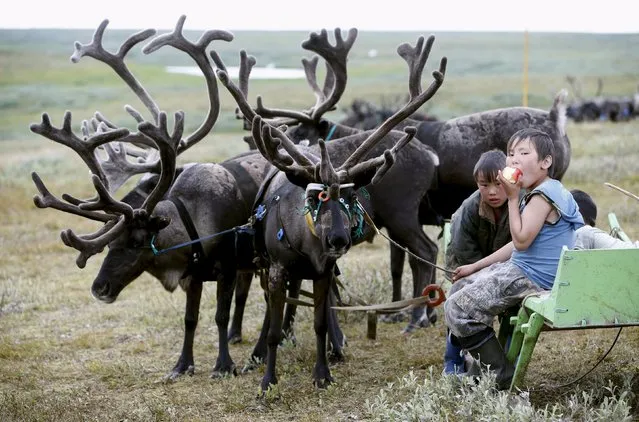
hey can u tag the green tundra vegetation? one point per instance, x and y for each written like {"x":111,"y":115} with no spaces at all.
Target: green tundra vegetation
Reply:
{"x":64,"y":356}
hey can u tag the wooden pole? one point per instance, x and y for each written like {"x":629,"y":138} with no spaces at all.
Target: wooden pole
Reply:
{"x":525,"y":90}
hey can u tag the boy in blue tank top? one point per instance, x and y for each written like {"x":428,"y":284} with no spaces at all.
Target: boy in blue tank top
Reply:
{"x":541,"y":223}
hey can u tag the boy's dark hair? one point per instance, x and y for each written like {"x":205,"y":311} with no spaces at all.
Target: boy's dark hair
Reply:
{"x":489,"y":163}
{"x":587,"y":206}
{"x":542,"y":142}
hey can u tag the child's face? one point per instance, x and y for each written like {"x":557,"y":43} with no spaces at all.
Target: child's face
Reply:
{"x":491,"y":193}
{"x":523,"y":156}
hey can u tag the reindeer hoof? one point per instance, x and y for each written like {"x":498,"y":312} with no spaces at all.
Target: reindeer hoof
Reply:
{"x":323,"y":383}
{"x":177,"y":372}
{"x":223,"y":372}
{"x":235,"y":339}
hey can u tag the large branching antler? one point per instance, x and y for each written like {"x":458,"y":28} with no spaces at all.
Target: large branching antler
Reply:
{"x":334,"y":83}
{"x":336,"y":77}
{"x":416,"y":59}
{"x":118,"y":171}
{"x":96,"y":50}
{"x":84,"y":147}
{"x":151,"y":140}
{"x":269,"y":138}
{"x":197,"y":51}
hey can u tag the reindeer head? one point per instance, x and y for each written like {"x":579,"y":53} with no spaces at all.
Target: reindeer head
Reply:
{"x":131,"y":225}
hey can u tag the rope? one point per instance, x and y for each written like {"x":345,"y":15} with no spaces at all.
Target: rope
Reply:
{"x":181,"y":245}
{"x":369,"y":220}
{"x":555,"y":387}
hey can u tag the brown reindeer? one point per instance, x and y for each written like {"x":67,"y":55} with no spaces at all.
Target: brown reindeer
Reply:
{"x":163,"y":210}
{"x":307,"y":246}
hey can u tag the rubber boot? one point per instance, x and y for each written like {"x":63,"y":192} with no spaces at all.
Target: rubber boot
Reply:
{"x":454,"y":362}
{"x":489,"y":353}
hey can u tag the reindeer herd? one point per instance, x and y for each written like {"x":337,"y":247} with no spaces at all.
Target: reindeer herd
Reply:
{"x":601,"y":107}
{"x":304,"y":193}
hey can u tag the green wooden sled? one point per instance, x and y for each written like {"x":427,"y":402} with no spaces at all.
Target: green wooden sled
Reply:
{"x":597,"y":288}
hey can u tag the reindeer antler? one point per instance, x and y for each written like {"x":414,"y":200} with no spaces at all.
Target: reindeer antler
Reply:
{"x":416,"y":59}
{"x":120,"y":171}
{"x":120,"y":143}
{"x":269,"y":138}
{"x":334,"y":83}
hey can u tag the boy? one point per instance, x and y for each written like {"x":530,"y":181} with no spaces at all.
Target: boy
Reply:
{"x":478,"y":228}
{"x":540,"y":225}
{"x":590,"y":237}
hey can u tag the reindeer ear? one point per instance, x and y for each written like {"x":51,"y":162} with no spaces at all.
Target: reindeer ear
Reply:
{"x":323,"y":126}
{"x":298,"y":178}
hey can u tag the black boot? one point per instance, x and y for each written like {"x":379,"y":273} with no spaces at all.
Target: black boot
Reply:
{"x":487,"y":350}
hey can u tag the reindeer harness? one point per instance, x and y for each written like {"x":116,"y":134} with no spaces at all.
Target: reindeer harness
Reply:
{"x":311,"y":213}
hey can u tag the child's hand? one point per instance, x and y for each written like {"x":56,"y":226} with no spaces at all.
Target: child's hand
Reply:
{"x":463,"y":271}
{"x":511,"y":189}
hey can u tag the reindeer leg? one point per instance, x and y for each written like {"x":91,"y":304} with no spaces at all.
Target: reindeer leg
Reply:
{"x":288,"y":331}
{"x":426,"y":249}
{"x":276,"y":301}
{"x":336,"y":337}
{"x":242,"y":286}
{"x":185,"y":363}
{"x":321,"y":373}
{"x":225,"y":288}
{"x":259,"y":351}
{"x":397,"y":257}
{"x":258,"y":355}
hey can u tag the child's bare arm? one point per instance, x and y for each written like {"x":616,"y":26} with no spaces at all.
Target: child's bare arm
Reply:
{"x":524,"y":227}
{"x":502,"y":254}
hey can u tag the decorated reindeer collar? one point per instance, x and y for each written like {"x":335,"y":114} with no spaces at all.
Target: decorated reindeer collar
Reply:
{"x":311,"y":213}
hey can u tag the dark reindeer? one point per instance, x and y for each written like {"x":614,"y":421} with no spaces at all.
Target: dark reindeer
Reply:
{"x":311,"y":126}
{"x":163,"y":210}
{"x":308,"y":246}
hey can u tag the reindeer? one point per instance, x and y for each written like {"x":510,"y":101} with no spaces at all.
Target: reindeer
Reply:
{"x":311,"y":126}
{"x":165,"y":210}
{"x":297,"y":246}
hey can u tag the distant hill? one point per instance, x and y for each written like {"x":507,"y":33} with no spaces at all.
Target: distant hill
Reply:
{"x":485,"y":70}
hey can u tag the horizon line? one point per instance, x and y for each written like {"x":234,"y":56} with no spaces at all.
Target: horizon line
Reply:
{"x":544,"y":31}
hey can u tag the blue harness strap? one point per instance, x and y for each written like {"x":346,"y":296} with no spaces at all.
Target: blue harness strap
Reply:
{"x":330,"y":133}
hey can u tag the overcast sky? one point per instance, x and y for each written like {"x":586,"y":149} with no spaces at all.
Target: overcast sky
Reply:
{"x":424,"y":15}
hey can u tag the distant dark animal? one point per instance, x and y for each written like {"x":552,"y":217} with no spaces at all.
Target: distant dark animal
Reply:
{"x":600,"y":107}
{"x":307,"y":245}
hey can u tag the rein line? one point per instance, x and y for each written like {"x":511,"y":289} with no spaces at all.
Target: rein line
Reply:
{"x":157,"y":252}
{"x":369,"y":220}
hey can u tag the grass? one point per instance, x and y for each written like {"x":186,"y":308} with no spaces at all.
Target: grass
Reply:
{"x":64,"y":356}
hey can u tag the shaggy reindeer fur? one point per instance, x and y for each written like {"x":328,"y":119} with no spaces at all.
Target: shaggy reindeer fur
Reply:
{"x":217,"y":197}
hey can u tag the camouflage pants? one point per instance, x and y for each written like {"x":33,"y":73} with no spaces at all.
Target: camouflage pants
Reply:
{"x":476,"y":300}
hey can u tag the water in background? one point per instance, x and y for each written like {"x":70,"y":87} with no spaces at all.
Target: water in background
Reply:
{"x":256,"y":72}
